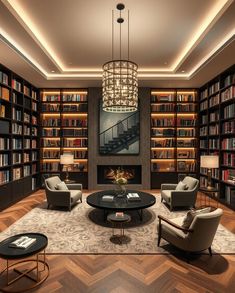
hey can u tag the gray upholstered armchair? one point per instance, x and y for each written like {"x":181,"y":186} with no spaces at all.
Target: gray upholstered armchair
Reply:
{"x":62,"y":198}
{"x":180,"y":198}
{"x":198,"y":237}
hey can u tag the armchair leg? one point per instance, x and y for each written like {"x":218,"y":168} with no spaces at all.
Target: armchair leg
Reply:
{"x":161,"y":199}
{"x":210,"y":251}
{"x":159,"y":233}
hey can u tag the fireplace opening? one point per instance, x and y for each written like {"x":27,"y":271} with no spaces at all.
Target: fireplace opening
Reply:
{"x":105,"y":173}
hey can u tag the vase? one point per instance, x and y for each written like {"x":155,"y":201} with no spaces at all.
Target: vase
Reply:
{"x":121,"y":190}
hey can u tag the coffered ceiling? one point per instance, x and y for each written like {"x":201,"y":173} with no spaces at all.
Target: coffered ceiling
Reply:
{"x":66,"y":42}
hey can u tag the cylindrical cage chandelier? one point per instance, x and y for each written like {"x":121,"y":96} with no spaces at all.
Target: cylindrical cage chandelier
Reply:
{"x":120,"y":81}
{"x":120,"y":86}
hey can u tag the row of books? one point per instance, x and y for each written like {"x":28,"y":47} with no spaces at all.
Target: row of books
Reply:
{"x":214,"y":129}
{"x":165,"y":167}
{"x":163,"y":143}
{"x":74,"y":132}
{"x":186,"y":132}
{"x":228,"y":127}
{"x":3,"y":111}
{"x":203,"y":144}
{"x":34,"y":106}
{"x":229,"y":176}
{"x":16,"y":158}
{"x":203,"y":94}
{"x":162,"y":154}
{"x":182,"y":166}
{"x":16,"y":114}
{"x":26,"y":91}
{"x":214,"y":143}
{"x":4,"y":93}
{"x":27,"y":143}
{"x":65,"y":98}
{"x":4,"y":176}
{"x":17,"y":173}
{"x":229,"y":159}
{"x":214,"y":88}
{"x":49,"y":154}
{"x":204,"y":183}
{"x":4,"y":160}
{"x":214,"y":100}
{"x":16,"y":85}
{"x":163,"y":122}
{"x":228,"y":143}
{"x":186,"y":107}
{"x":74,"y":122}
{"x":26,"y":117}
{"x":16,"y":143}
{"x":186,"y":122}
{"x":162,"y":132}
{"x":228,"y":94}
{"x":50,"y":132}
{"x":186,"y":98}
{"x":214,"y":116}
{"x":4,"y":78}
{"x":229,"y":111}
{"x":75,"y":142}
{"x":163,"y":98}
{"x":204,"y":119}
{"x":230,"y":79}
{"x":50,"y":107}
{"x":203,"y":105}
{"x":162,"y":108}
{"x":4,"y":143}
{"x":203,"y":131}
{"x":52,"y":166}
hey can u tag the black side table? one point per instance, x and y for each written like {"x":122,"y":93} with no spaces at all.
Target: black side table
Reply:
{"x":9,"y":253}
{"x":117,"y":223}
{"x":211,"y":193}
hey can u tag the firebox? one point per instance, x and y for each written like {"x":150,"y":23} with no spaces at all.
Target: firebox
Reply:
{"x":105,"y":173}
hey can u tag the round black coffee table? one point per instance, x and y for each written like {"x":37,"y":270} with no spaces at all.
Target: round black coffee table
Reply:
{"x":121,"y":204}
{"x":9,"y":253}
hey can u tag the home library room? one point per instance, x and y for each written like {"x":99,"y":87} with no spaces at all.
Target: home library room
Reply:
{"x":19,"y":145}
{"x":174,"y":135}
{"x":217,"y":133}
{"x":64,"y":130}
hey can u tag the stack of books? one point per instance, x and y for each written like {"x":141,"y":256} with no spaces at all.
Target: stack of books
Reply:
{"x":133,"y":197}
{"x":23,"y":242}
{"x":107,"y":198}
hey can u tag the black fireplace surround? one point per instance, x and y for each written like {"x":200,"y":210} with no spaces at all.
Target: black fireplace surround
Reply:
{"x":131,"y":172}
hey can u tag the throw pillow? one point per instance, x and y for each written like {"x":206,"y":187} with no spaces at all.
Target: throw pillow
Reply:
{"x":61,"y":186}
{"x":181,"y":186}
{"x":187,"y":221}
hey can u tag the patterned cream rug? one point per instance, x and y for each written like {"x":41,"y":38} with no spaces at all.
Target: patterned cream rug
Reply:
{"x":83,"y":230}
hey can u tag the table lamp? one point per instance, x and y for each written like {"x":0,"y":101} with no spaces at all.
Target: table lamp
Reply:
{"x":209,"y":162}
{"x":67,"y":160}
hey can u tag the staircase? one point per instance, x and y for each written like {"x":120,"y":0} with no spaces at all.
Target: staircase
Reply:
{"x":113,"y":140}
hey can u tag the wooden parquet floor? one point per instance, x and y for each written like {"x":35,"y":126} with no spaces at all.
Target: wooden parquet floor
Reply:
{"x":131,"y":273}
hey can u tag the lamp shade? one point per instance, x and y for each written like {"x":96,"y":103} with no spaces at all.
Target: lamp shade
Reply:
{"x":66,"y":159}
{"x":210,"y":162}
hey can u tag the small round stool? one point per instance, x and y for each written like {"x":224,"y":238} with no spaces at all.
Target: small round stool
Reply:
{"x":117,"y":223}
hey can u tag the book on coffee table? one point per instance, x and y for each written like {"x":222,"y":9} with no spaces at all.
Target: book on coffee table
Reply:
{"x":133,"y":197}
{"x":107,"y":198}
{"x":23,"y":242}
{"x":119,"y":214}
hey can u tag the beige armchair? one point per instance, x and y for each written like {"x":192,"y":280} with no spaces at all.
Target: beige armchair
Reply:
{"x":180,"y":198}
{"x":198,"y":237}
{"x":62,"y":198}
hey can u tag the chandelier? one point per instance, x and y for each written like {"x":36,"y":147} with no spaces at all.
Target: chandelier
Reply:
{"x":120,"y":82}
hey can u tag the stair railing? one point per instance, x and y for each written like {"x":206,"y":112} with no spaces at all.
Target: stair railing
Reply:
{"x":118,"y":129}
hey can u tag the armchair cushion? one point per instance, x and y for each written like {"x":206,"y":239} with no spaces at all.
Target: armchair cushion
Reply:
{"x":190,"y":182}
{"x":61,"y":186}
{"x":166,"y":194}
{"x":75,"y":195}
{"x":188,"y":219}
{"x":52,"y":182}
{"x":181,"y":186}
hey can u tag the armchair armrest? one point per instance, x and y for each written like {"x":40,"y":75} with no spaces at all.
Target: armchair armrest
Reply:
{"x":168,"y":186}
{"x":161,"y":218}
{"x":74,"y":186}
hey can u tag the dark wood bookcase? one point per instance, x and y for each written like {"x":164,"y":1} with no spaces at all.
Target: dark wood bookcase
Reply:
{"x":64,"y":129}
{"x":174,"y":135}
{"x":217,"y":132}
{"x":19,"y":143}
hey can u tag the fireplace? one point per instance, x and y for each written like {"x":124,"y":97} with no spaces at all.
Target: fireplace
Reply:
{"x":105,"y":173}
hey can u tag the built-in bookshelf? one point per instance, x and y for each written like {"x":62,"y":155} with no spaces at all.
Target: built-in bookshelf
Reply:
{"x":19,"y":147}
{"x":217,"y":132}
{"x":64,"y":129}
{"x":174,"y":135}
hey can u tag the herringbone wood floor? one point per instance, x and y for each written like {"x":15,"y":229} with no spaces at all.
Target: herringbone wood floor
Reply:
{"x":131,"y":273}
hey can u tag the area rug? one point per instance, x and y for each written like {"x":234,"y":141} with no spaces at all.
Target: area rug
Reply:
{"x":83,"y":231}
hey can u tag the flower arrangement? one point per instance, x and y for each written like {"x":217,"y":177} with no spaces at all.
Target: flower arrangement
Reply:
{"x":119,"y":177}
